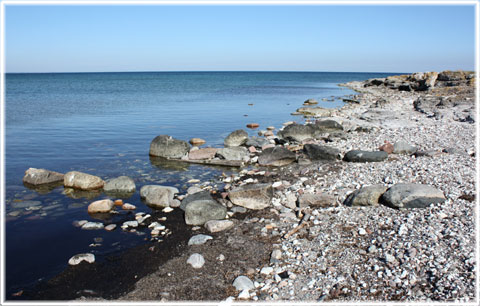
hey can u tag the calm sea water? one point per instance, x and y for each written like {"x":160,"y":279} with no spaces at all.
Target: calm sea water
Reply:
{"x":102,"y":124}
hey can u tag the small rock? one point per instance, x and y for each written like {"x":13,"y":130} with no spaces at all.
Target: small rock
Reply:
{"x":76,"y":259}
{"x":37,"y":177}
{"x":167,"y":210}
{"x":92,"y":226}
{"x":366,"y":196}
{"x":199,"y":239}
{"x":202,"y":154}
{"x":110,"y":227}
{"x":412,"y":196}
{"x":253,"y":125}
{"x":316,"y":200}
{"x":79,"y":223}
{"x":196,"y":261}
{"x":128,"y":224}
{"x":214,"y":226}
{"x":236,"y":138}
{"x":244,"y":295}
{"x":362,"y":232}
{"x":401,"y":147}
{"x":128,"y":206}
{"x":386,"y":147}
{"x":243,"y":283}
{"x":266,"y":270}
{"x":197,"y":141}
{"x":359,"y":156}
{"x":118,"y":202}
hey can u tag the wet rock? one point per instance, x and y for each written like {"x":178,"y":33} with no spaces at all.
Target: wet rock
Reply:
{"x":168,"y":147}
{"x":310,"y":102}
{"x":128,"y":206}
{"x":25,"y":204}
{"x":296,"y":132}
{"x":316,"y":200}
{"x":37,"y":177}
{"x":196,"y":261}
{"x":101,"y":206}
{"x":412,"y":196}
{"x":277,"y":157}
{"x":366,"y":196}
{"x":200,"y":211}
{"x":233,"y":153}
{"x":401,"y":147}
{"x":253,"y":125}
{"x":256,"y":142}
{"x":203,"y":195}
{"x":110,"y":227}
{"x":92,"y":226}
{"x":119,"y":185}
{"x":243,"y":283}
{"x":128,"y":224}
{"x":202,"y":154}
{"x":76,"y":259}
{"x":199,"y":239}
{"x":236,"y":138}
{"x":197,"y":141}
{"x":158,"y":196}
{"x":359,"y":156}
{"x":214,"y":226}
{"x":315,"y":111}
{"x":318,"y":152}
{"x":194,"y":189}
{"x":253,"y":196}
{"x":82,"y":181}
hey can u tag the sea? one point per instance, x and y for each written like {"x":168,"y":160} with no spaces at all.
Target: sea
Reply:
{"x":103,"y":123}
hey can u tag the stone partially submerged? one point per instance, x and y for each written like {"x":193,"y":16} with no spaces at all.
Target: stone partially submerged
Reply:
{"x":236,"y":138}
{"x":158,"y":196}
{"x":168,"y":147}
{"x":36,"y":177}
{"x":122,"y":185}
{"x":412,"y":196}
{"x":82,"y":181}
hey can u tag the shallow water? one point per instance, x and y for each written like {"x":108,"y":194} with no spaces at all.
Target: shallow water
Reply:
{"x":102,"y":124}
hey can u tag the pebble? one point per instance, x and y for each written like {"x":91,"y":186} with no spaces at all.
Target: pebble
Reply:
{"x":243,"y":283}
{"x":128,"y":206}
{"x":214,"y":226}
{"x":92,"y":226}
{"x":196,"y":261}
{"x":199,"y":239}
{"x":266,"y":270}
{"x":110,"y":227}
{"x":128,"y":224}
{"x":167,"y":209}
{"x":76,"y":259}
{"x":79,"y":223}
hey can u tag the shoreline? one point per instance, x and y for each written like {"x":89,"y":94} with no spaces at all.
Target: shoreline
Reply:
{"x":330,"y":251}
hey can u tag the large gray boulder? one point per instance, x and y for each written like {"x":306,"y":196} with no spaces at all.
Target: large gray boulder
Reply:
{"x":158,"y":196}
{"x":236,"y":138}
{"x":296,"y":132}
{"x":255,"y":196}
{"x":366,"y":196}
{"x":82,"y":181}
{"x":257,"y":142}
{"x":412,"y":196}
{"x":168,"y":147}
{"x":197,"y":196}
{"x":359,"y":156}
{"x":233,"y":153}
{"x":276,"y":156}
{"x":120,"y":185}
{"x":35,"y":177}
{"x":327,"y":125}
{"x":200,"y":211}
{"x":318,"y":152}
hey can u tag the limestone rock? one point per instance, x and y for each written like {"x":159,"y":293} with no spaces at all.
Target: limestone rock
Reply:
{"x":366,"y":196}
{"x":412,"y":196}
{"x":236,"y":138}
{"x":158,"y":196}
{"x":101,"y":206}
{"x":276,"y":156}
{"x":168,"y":147}
{"x":37,"y":177}
{"x":120,"y":185}
{"x":82,"y":181}
{"x":254,"y":196}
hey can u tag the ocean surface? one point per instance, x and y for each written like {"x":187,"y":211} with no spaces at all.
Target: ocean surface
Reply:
{"x":103,"y":123}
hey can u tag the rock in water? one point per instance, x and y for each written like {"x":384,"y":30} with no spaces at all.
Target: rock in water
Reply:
{"x":101,"y":206}
{"x":277,"y":156}
{"x":92,"y":226}
{"x":359,"y":156}
{"x":158,"y":196}
{"x":36,"y":177}
{"x":214,"y":226}
{"x":366,"y":196}
{"x":196,"y":261}
{"x":256,"y":196}
{"x":168,"y":147}
{"x":121,"y":184}
{"x":243,"y":283}
{"x":202,"y":154}
{"x":200,"y":211}
{"x":310,"y":102}
{"x":256,"y":142}
{"x":234,"y":153}
{"x":76,"y":259}
{"x":236,"y":138}
{"x":317,"y":152}
{"x":197,"y":141}
{"x":296,"y":132}
{"x":83,"y":181}
{"x":316,"y":111}
{"x":412,"y":196}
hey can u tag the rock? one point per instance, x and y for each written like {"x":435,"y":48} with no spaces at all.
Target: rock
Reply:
{"x":110,"y":227}
{"x":197,"y":141}
{"x":236,"y":138}
{"x":233,"y":153}
{"x":412,"y":196}
{"x":366,"y":196}
{"x":200,"y":211}
{"x":244,"y":295}
{"x":201,"y":154}
{"x":203,"y":195}
{"x":401,"y":147}
{"x":167,"y":210}
{"x":168,"y":147}
{"x":76,"y":259}
{"x":271,"y":128}
{"x":82,"y":181}
{"x":276,"y":156}
{"x":359,"y":156}
{"x":128,"y":206}
{"x":121,"y":184}
{"x":214,"y":226}
{"x":256,"y":142}
{"x":101,"y":206}
{"x":275,"y":256}
{"x":92,"y":226}
{"x":37,"y":177}
{"x":158,"y":196}
{"x":325,"y":126}
{"x":253,"y":125}
{"x":296,"y":132}
{"x":238,"y":209}
{"x":79,"y":223}
{"x":196,"y":261}
{"x":316,"y":111}
{"x":386,"y":147}
{"x":310,"y":102}
{"x":243,"y":283}
{"x":316,"y":200}
{"x":128,"y":224}
{"x":199,"y":239}
{"x":318,"y":152}
{"x":266,"y":270}
{"x":25,"y":204}
{"x":118,"y":202}
{"x":253,"y":196}
{"x":194,"y":189}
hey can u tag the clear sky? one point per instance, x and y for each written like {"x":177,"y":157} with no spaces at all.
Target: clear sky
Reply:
{"x":385,"y":38}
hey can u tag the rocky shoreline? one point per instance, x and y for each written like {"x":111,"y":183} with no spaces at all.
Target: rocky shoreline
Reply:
{"x":374,"y":201}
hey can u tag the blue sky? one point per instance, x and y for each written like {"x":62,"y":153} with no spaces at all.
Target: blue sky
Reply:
{"x":386,"y":38}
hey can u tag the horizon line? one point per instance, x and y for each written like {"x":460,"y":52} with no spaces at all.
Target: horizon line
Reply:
{"x":176,"y":71}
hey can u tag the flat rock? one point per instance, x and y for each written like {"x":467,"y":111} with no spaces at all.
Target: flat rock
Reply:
{"x":316,"y":200}
{"x":199,"y":239}
{"x":196,"y":141}
{"x":196,"y":261}
{"x":318,"y":152}
{"x":128,"y":206}
{"x":253,"y":196}
{"x":315,"y":111}
{"x":236,"y":138}
{"x":401,"y":147}
{"x":92,"y":226}
{"x":76,"y":259}
{"x":233,"y":153}
{"x":296,"y":132}
{"x":35,"y":177}
{"x":82,"y":181}
{"x":200,"y":211}
{"x":276,"y":156}
{"x":121,"y":184}
{"x":243,"y":283}
{"x":158,"y":196}
{"x":110,"y":227}
{"x":256,"y":142}
{"x":214,"y":226}
{"x":25,"y":204}
{"x":101,"y":206}
{"x":202,"y":154}
{"x":168,"y":147}
{"x":412,"y":196}
{"x":326,"y":126}
{"x":360,"y":156}
{"x":366,"y":196}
